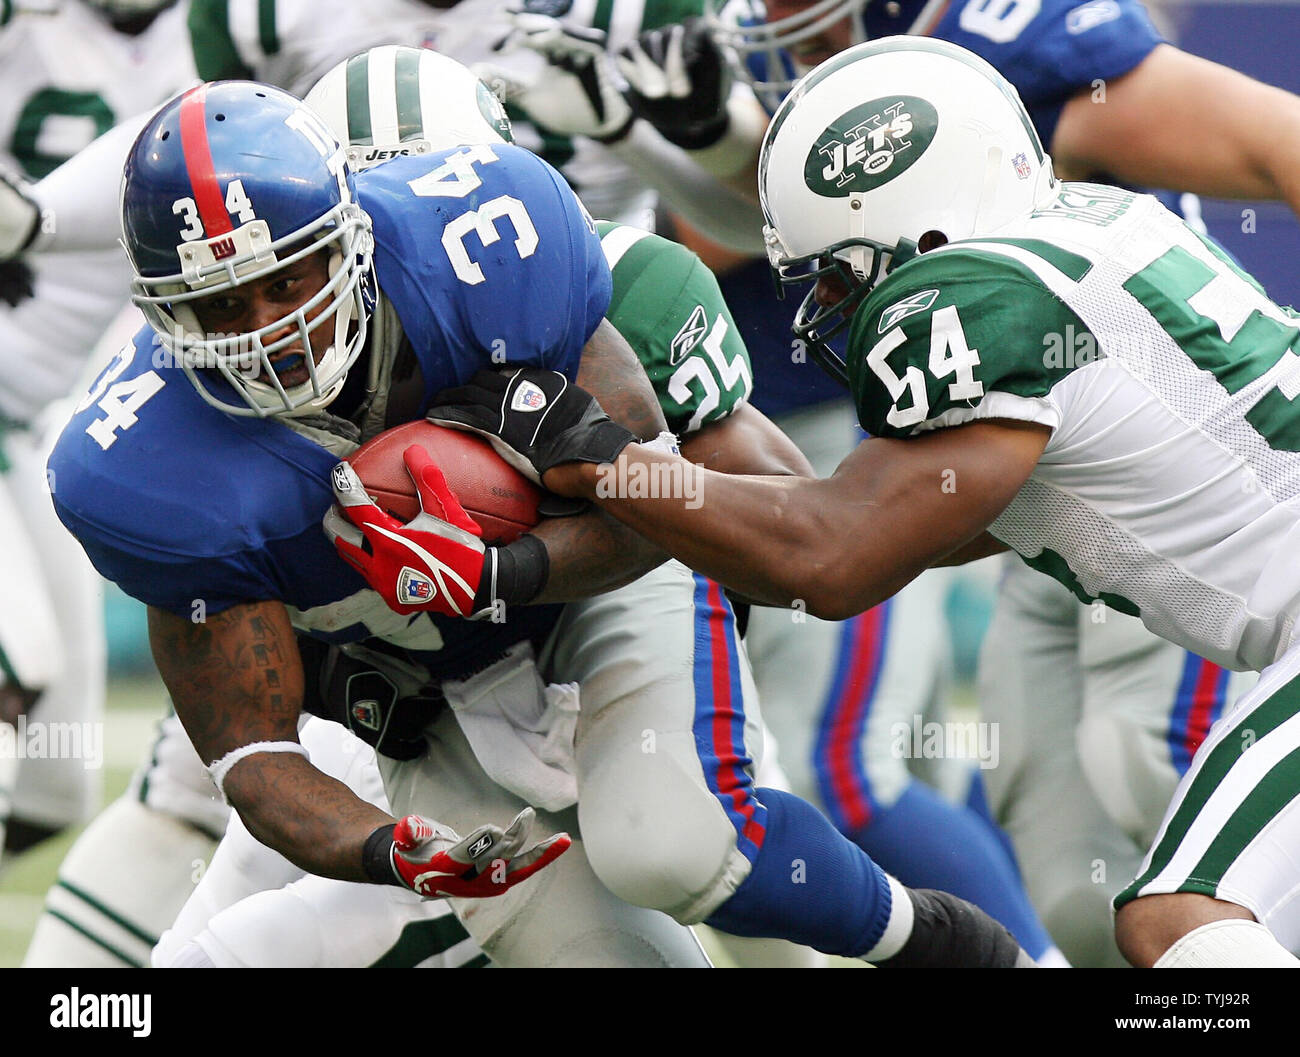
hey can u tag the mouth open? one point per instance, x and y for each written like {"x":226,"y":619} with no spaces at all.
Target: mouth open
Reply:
{"x":291,"y":368}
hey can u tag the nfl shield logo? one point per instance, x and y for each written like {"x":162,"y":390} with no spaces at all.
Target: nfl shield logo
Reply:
{"x":366,"y":714}
{"x":413,"y":587}
{"x":1021,"y":163}
{"x":528,"y":397}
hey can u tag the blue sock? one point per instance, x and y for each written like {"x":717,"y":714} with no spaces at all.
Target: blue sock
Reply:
{"x":927,"y":842}
{"x":809,"y":884}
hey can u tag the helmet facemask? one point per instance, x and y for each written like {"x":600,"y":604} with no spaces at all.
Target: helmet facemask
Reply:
{"x":244,"y":359}
{"x":759,"y":50}
{"x":229,"y":184}
{"x":859,"y":263}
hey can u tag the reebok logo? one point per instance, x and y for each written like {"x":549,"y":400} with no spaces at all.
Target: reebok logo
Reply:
{"x":909,"y":306}
{"x":689,"y":336}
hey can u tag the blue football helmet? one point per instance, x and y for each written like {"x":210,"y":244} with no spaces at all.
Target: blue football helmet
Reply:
{"x":759,"y":48}
{"x":229,"y":182}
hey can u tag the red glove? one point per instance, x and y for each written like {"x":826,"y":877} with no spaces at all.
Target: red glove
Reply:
{"x":433,"y":861}
{"x":433,"y":562}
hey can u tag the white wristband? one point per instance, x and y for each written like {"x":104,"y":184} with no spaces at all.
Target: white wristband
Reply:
{"x":665,"y":444}
{"x":220,"y":768}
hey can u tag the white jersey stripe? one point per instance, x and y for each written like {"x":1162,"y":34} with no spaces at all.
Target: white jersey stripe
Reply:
{"x":619,"y":241}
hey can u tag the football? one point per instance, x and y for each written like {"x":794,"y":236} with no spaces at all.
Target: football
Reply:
{"x":496,"y":495}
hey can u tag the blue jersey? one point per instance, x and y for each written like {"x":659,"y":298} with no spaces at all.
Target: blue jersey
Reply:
{"x":194,"y":511}
{"x":1050,"y":50}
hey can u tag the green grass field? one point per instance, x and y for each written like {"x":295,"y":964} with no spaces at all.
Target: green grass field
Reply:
{"x":134,"y":705}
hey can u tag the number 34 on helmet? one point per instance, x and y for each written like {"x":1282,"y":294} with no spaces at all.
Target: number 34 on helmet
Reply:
{"x":228,"y":183}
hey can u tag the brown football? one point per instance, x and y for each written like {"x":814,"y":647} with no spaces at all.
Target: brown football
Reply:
{"x":496,"y":495}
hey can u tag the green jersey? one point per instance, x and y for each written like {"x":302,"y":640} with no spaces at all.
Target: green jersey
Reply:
{"x":667,"y":305}
{"x":1170,"y":487}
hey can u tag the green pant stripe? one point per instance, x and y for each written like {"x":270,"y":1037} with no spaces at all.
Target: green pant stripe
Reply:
{"x":1277,"y":789}
{"x":135,"y":930}
{"x":7,"y":670}
{"x":406,"y":78}
{"x":99,"y":941}
{"x":1261,"y":720}
{"x":266,"y":34}
{"x":420,"y":940}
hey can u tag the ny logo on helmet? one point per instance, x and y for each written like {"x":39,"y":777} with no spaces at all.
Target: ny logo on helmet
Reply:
{"x":870,"y":145}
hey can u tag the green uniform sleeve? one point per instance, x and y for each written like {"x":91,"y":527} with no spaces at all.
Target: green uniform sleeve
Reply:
{"x":958,"y":336}
{"x":642,"y":15}
{"x":668,"y":307}
{"x":219,"y":54}
{"x":215,"y":54}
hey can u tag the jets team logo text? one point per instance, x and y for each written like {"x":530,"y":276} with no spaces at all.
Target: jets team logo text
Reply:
{"x":870,"y":145}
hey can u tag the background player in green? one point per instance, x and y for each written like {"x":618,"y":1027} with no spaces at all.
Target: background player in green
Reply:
{"x":1159,"y":475}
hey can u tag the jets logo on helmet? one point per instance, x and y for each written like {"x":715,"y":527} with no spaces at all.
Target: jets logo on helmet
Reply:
{"x":884,"y":148}
{"x":870,"y":145}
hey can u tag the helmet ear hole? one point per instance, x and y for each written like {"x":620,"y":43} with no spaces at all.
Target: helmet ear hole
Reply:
{"x":931,"y":240}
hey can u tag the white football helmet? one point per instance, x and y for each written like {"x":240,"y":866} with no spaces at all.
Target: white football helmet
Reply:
{"x":393,"y":101}
{"x":878,"y":146}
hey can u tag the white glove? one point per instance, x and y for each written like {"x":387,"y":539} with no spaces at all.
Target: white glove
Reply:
{"x":434,"y":861}
{"x":578,"y":93}
{"x":20,"y":216}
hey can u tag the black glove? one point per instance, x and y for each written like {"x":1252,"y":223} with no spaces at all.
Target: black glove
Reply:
{"x":679,"y":81}
{"x":534,"y":418}
{"x":16,"y":282}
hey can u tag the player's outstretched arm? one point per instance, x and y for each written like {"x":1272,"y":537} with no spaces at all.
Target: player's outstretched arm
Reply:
{"x":595,"y":549}
{"x":237,"y":683}
{"x":746,"y":442}
{"x":236,"y":679}
{"x":892,"y":508}
{"x":841,"y":545}
{"x":1143,"y":128}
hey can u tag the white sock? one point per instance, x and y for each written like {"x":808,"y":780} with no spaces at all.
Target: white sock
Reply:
{"x":1233,"y":943}
{"x":899,"y":929}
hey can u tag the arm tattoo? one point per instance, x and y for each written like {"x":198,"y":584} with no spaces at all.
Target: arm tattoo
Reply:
{"x":612,"y":374}
{"x":235,"y":677}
